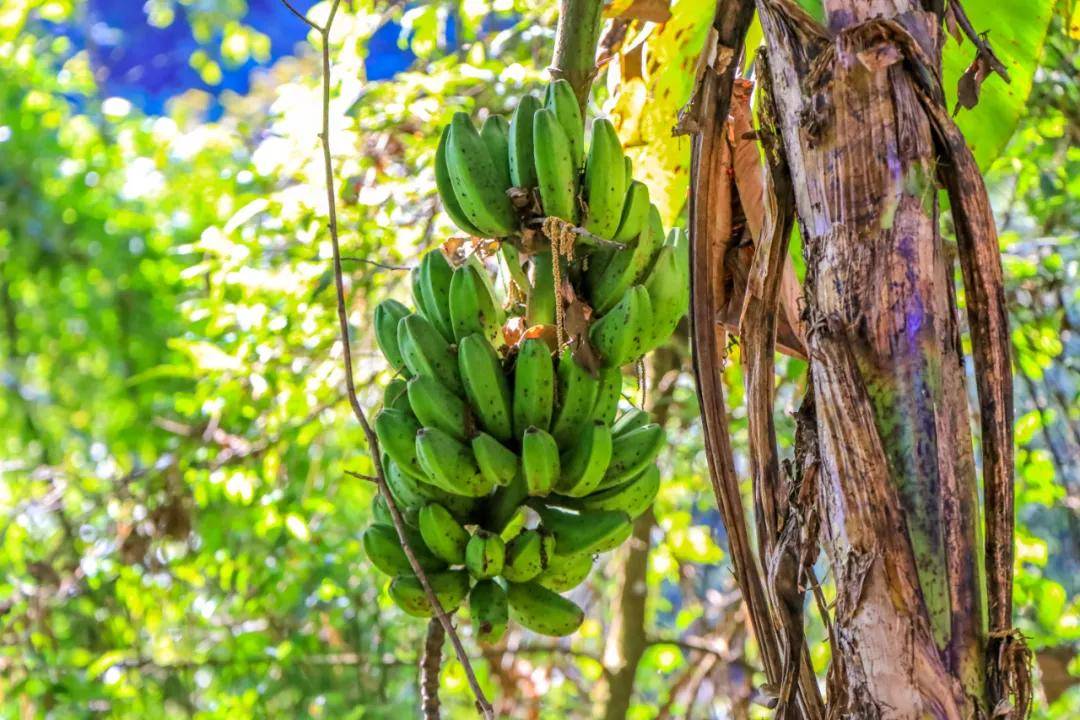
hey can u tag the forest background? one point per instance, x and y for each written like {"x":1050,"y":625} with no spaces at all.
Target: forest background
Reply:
{"x":178,"y":537}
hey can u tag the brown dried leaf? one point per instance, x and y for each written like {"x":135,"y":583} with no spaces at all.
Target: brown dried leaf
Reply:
{"x":513,"y":330}
{"x":967,"y":88}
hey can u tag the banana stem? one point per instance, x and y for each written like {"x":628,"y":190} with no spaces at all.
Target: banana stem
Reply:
{"x":575,"y":45}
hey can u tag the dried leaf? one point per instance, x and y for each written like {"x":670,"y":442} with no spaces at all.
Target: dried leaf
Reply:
{"x":967,"y":88}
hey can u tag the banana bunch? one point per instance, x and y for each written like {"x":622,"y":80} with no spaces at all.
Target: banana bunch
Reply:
{"x":510,"y":463}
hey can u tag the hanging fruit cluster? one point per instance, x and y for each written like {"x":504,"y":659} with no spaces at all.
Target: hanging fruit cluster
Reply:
{"x":499,"y":434}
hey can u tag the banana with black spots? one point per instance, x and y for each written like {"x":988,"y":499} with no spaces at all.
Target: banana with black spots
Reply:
{"x":435,"y":406}
{"x":577,"y":395}
{"x":607,"y":285}
{"x":485,"y":555}
{"x":495,"y":133}
{"x":564,"y":103}
{"x":534,"y":386}
{"x":584,"y":462}
{"x":585,"y":532}
{"x":522,"y":165}
{"x":486,"y":386}
{"x":446,"y":189}
{"x":383,"y":548}
{"x":539,"y":461}
{"x":488,"y":611}
{"x":411,"y":494}
{"x":396,"y":396}
{"x":450,"y":588}
{"x":668,"y":286}
{"x":632,"y":419}
{"x":617,"y":335}
{"x":605,"y":183}
{"x":632,"y":497}
{"x":556,"y":174}
{"x":527,"y":555}
{"x":443,"y":534}
{"x":566,"y":572}
{"x":397,"y":438}
{"x":476,"y":182}
{"x":426,"y":352}
{"x":434,"y":278}
{"x":388,"y":314}
{"x":504,"y":505}
{"x":473,"y":308}
{"x":608,"y":394}
{"x":543,"y":611}
{"x":631,"y":452}
{"x":449,"y":464}
{"x":497,"y":463}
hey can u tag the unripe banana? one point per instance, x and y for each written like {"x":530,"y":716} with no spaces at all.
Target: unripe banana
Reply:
{"x":427,"y":353}
{"x":536,"y":608}
{"x":565,"y":105}
{"x":411,"y":494}
{"x":534,"y":386}
{"x":443,"y":534}
{"x":416,"y":288}
{"x":473,"y":308}
{"x":668,"y":286}
{"x":566,"y":572}
{"x":631,"y":452}
{"x":512,"y":261}
{"x":577,"y":395}
{"x":609,"y":284}
{"x":585,"y":532}
{"x":522,"y":167}
{"x":446,"y":189}
{"x":540,"y":306}
{"x":632,"y":497}
{"x":555,"y":166}
{"x":607,"y":395}
{"x":383,"y":548}
{"x":539,"y":461}
{"x":617,"y":335}
{"x":380,"y":513}
{"x":388,"y":314}
{"x":485,"y":555}
{"x":486,"y":386}
{"x":437,"y":407}
{"x":489,"y":611}
{"x":449,"y":464}
{"x":396,"y":396}
{"x":584,"y":463}
{"x":495,"y":134}
{"x":450,"y":589}
{"x":635,"y":213}
{"x":628,"y":170}
{"x":435,"y":277}
{"x":497,"y":464}
{"x":477,"y":184}
{"x":632,"y":419}
{"x":527,"y":555}
{"x":505,"y":504}
{"x":397,"y":438}
{"x":605,"y":184}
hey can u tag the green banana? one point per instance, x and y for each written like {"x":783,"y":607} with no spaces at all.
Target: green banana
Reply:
{"x":540,"y":306}
{"x":516,"y":523}
{"x":450,"y":588}
{"x":512,"y":260}
{"x":628,"y":169}
{"x":585,"y":532}
{"x":635,"y":212}
{"x":534,"y":386}
{"x":564,"y":103}
{"x":437,"y":407}
{"x":476,"y":182}
{"x":427,"y":353}
{"x":522,"y":167}
{"x":566,"y":572}
{"x":497,"y":464}
{"x":495,"y":133}
{"x":486,"y":386}
{"x":632,"y":419}
{"x":473,"y":309}
{"x":632,"y":497}
{"x":485,"y":555}
{"x":668,"y":286}
{"x":446,"y":188}
{"x":397,"y":438}
{"x":607,"y":285}
{"x":443,"y":534}
{"x":383,"y":548}
{"x":449,"y":464}
{"x":605,"y":182}
{"x":418,"y":295}
{"x":617,"y":335}
{"x":556,"y":172}
{"x":411,"y":494}
{"x":539,"y":461}
{"x":388,"y":314}
{"x":608,"y":394}
{"x":435,"y":276}
{"x":543,"y":611}
{"x":577,"y":395}
{"x":505,"y":504}
{"x":527,"y":555}
{"x":396,"y":397}
{"x":584,"y":463}
{"x":489,"y":611}
{"x":631,"y":452}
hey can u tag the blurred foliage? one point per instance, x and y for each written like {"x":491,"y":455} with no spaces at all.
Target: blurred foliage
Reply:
{"x":179,"y":538}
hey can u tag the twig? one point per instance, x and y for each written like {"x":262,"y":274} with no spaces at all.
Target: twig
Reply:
{"x":362,"y":476}
{"x":979,"y":41}
{"x":303,"y":17}
{"x":384,"y":266}
{"x":430,"y":665}
{"x":343,"y":320}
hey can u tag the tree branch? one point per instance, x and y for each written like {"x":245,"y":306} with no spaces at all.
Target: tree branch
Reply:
{"x":369,"y":433}
{"x":430,"y":665}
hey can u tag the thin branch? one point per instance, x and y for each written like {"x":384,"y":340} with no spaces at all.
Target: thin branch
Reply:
{"x":377,"y":264}
{"x":304,"y":17}
{"x":430,"y":665}
{"x":979,"y":41}
{"x":372,"y":441}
